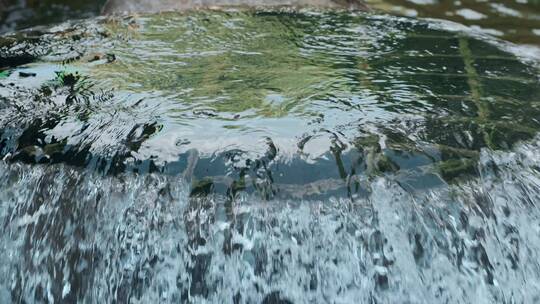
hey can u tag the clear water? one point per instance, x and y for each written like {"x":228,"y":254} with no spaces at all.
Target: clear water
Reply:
{"x":268,"y":157}
{"x":517,"y":21}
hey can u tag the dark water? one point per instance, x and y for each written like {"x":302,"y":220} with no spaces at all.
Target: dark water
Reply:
{"x":515,"y":21}
{"x":20,"y":14}
{"x":268,"y":157}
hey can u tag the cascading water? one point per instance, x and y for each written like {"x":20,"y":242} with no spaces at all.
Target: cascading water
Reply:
{"x":71,"y":235}
{"x":269,"y":157}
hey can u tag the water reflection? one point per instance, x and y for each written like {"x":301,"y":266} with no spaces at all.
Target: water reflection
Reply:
{"x":516,"y":21}
{"x":19,"y":14}
{"x":258,"y":97}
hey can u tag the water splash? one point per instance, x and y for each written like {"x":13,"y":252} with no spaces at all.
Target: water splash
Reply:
{"x":71,"y":235}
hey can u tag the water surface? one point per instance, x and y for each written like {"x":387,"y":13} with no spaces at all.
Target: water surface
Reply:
{"x":515,"y":21}
{"x":20,"y":14}
{"x":265,"y":157}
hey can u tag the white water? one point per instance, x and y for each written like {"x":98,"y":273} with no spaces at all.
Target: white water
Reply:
{"x":70,"y":234}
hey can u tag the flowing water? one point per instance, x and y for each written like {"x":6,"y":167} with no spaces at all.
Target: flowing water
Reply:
{"x":268,"y":157}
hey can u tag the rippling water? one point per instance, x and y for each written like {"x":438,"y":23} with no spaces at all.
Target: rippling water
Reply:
{"x":269,"y":157}
{"x":513,"y":20}
{"x":20,"y":14}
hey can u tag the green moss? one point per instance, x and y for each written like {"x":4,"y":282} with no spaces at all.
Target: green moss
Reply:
{"x":453,"y":169}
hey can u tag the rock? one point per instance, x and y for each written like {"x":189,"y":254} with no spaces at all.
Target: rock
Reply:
{"x":26,"y":74}
{"x":275,"y":297}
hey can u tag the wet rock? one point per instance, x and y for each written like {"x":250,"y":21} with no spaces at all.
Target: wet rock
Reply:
{"x":26,"y":75}
{"x":16,"y":60}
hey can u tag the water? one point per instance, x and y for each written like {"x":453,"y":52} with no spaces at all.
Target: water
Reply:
{"x":515,"y":21}
{"x":268,"y":157}
{"x":20,"y":14}
{"x":77,"y":236}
